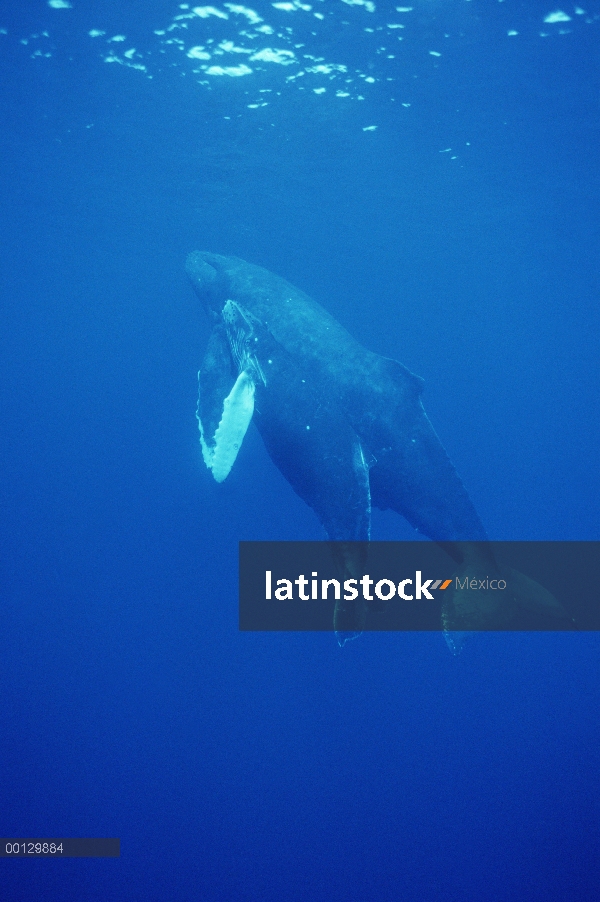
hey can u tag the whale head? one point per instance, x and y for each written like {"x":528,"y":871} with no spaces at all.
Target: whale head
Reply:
{"x":209,"y":282}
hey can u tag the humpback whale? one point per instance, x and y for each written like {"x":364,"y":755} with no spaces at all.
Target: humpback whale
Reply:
{"x":345,"y":426}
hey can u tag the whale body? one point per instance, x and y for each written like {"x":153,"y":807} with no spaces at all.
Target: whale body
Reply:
{"x":332,"y":413}
{"x":345,"y":426}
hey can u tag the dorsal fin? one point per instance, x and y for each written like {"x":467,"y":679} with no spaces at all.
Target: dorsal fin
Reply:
{"x":402,"y":375}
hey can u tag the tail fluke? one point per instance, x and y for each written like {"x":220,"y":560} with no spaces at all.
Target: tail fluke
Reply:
{"x":534,"y":599}
{"x":508,"y":601}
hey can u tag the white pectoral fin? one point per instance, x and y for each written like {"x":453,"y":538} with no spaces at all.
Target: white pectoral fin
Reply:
{"x":221,"y":450}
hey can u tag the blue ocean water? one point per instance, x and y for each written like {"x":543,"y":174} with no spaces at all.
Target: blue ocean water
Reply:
{"x":436,"y":186}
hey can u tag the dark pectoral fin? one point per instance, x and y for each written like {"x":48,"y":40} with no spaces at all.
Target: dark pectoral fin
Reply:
{"x":323,"y":461}
{"x":310,"y":440}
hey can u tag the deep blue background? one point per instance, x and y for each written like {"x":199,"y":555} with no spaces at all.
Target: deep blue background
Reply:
{"x":279,"y":767}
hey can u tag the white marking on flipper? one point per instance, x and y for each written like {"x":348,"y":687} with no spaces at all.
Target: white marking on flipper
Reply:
{"x":455,"y":639}
{"x":238,"y":408}
{"x":239,"y":339}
